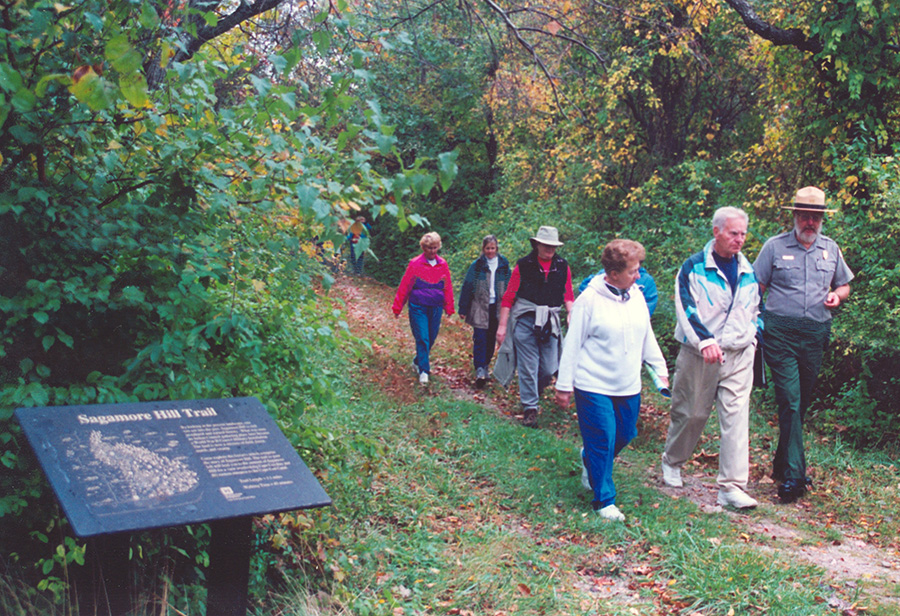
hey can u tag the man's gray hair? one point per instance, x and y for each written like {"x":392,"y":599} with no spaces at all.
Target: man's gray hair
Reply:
{"x":724,"y":214}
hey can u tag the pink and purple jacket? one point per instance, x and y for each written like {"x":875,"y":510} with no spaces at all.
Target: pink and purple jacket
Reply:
{"x":425,"y":285}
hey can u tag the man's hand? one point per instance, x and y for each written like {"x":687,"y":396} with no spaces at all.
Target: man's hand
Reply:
{"x":563,"y":398}
{"x":501,"y":335}
{"x":834,"y":299}
{"x":713,"y":354}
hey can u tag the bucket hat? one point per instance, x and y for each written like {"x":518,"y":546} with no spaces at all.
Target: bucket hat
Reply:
{"x":548,"y":236}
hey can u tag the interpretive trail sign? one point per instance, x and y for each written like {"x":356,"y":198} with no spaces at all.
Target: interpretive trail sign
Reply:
{"x":117,"y":468}
{"x":125,"y":467}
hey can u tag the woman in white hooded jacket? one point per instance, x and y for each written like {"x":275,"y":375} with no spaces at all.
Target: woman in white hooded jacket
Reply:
{"x":608,"y":340}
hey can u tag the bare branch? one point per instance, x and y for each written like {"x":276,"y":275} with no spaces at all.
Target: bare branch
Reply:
{"x":514,"y":30}
{"x":569,"y":39}
{"x":777,"y":36}
{"x":205,"y":33}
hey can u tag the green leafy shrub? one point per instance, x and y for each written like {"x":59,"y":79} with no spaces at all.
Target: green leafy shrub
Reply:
{"x":160,"y":241}
{"x":860,"y":381}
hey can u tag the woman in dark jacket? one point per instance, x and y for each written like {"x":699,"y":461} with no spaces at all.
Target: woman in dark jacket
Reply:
{"x":484,"y":285}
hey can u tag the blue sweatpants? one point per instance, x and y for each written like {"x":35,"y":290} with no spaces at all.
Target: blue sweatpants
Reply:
{"x":607,"y":424}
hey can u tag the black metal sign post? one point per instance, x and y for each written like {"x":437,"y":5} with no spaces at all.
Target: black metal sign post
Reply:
{"x":120,"y":468}
{"x":229,"y":567}
{"x":103,"y":587}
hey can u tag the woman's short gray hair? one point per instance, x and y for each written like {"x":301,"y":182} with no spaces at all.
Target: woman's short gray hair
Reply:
{"x":618,"y":253}
{"x":726,"y":213}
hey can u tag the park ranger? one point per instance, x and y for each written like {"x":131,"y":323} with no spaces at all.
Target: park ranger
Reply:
{"x":806,"y":278}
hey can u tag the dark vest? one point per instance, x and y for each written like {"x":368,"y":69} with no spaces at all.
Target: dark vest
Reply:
{"x":532,"y":285}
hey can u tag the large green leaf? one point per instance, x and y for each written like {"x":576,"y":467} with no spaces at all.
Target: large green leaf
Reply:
{"x":134,"y":89}
{"x":122,"y":56}
{"x":93,"y":91}
{"x":10,"y":79}
{"x":447,"y":168}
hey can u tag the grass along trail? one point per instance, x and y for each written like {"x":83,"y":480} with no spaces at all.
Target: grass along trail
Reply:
{"x":513,"y":528}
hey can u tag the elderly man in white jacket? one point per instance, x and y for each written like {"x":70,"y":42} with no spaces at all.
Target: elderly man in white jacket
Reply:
{"x":717,"y":305}
{"x":609,"y":338}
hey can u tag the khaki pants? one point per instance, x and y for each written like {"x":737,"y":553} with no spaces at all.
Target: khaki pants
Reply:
{"x":697,"y":385}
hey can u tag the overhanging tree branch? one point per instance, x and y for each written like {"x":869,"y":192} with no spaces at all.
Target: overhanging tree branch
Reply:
{"x":527,"y":46}
{"x":777,"y":36}
{"x":205,"y":33}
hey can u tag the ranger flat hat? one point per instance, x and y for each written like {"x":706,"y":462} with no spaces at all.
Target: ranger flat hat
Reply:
{"x":548,"y":236}
{"x":809,"y":199}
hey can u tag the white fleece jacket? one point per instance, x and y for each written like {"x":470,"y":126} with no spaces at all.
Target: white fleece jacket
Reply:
{"x":607,"y":341}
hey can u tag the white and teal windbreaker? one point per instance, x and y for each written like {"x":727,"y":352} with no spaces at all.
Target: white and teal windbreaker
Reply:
{"x":706,"y":310}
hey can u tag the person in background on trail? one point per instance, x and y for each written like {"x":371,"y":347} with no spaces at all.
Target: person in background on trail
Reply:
{"x":530,"y":331}
{"x":609,"y":339}
{"x":645,"y":283}
{"x":717,"y":309}
{"x":426,"y":285}
{"x":359,"y":230}
{"x":806,"y":278}
{"x":485,"y":282}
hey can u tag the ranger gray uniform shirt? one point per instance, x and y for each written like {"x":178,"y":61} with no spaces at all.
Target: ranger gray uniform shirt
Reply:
{"x":799,"y":280}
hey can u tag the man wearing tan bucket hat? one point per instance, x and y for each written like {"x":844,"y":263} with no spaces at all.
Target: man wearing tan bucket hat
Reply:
{"x":806,"y":278}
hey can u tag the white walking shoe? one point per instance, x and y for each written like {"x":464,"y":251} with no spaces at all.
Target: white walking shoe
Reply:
{"x":736,"y":498}
{"x":611,"y":512}
{"x":585,"y":478}
{"x":423,"y":378}
{"x":671,"y":476}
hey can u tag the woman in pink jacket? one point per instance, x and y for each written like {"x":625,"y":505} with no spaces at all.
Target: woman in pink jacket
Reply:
{"x":426,"y":285}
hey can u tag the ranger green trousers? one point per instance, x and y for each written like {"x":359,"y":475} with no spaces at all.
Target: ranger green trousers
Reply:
{"x":795,"y":348}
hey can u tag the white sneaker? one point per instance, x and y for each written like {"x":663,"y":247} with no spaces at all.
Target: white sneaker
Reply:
{"x":611,"y":512}
{"x":671,"y":475}
{"x":585,"y":477}
{"x":423,"y":378}
{"x":736,"y":498}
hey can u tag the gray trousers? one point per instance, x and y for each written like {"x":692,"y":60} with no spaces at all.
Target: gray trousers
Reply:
{"x":697,"y":385}
{"x":536,"y":362}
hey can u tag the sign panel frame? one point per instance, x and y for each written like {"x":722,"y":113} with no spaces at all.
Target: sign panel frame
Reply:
{"x":137,"y":466}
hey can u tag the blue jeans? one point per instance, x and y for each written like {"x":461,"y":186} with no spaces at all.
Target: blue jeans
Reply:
{"x":356,"y":263}
{"x":425,"y":323}
{"x":607,"y":424}
{"x":484,"y":340}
